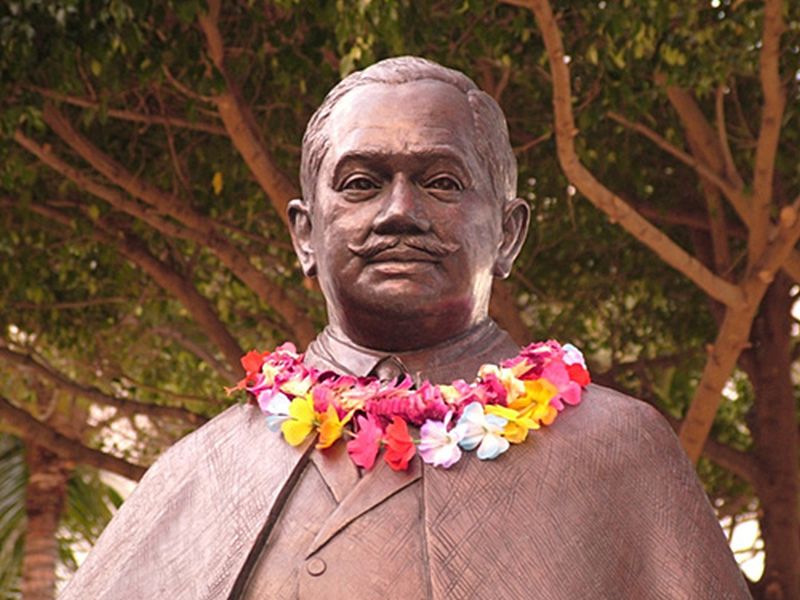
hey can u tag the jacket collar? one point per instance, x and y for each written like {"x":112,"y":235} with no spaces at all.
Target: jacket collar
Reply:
{"x":457,"y":358}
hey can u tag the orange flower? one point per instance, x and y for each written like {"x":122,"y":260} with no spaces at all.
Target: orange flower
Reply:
{"x":399,"y":446}
{"x":331,"y":428}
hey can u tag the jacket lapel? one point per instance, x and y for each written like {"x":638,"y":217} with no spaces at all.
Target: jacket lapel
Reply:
{"x":337,"y":470}
{"x":376,"y":486}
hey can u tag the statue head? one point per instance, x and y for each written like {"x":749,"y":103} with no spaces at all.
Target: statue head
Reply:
{"x":409,"y":205}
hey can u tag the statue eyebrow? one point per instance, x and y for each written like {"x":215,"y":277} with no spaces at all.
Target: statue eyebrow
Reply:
{"x":378,"y":158}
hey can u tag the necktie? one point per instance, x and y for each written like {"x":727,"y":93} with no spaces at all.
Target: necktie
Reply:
{"x":388,"y":368}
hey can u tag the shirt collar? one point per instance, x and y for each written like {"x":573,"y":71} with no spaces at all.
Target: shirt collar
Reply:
{"x":457,"y":358}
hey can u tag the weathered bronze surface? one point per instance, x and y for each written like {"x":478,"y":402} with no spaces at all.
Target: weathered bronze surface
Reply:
{"x":409,"y":211}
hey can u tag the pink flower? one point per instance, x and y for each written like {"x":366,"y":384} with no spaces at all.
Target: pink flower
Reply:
{"x":331,"y":390}
{"x":364,"y":448}
{"x":413,"y":406}
{"x":568,"y":391}
{"x":491,"y":391}
{"x":534,"y":357}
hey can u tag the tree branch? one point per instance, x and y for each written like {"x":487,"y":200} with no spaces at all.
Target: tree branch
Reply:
{"x":128,"y":115}
{"x":599,"y":195}
{"x":733,"y":334}
{"x":706,"y":140}
{"x":198,"y":228}
{"x":113,"y":196}
{"x":65,"y":447}
{"x":241,"y":125}
{"x":135,"y":250}
{"x":198,"y":350}
{"x":731,"y":172}
{"x":692,"y":219}
{"x":716,"y":212}
{"x":769,"y":133}
{"x":68,"y":305}
{"x":742,"y":302}
{"x":96,"y":395}
{"x":521,"y":149}
{"x":707,"y":145}
{"x":737,"y":199}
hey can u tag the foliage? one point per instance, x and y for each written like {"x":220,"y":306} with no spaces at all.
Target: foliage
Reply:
{"x":12,"y":509}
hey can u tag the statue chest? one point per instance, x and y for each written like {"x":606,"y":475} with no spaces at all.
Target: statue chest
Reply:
{"x":478,"y":530}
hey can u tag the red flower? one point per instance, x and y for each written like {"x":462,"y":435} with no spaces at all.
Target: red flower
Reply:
{"x":364,"y":448}
{"x":578,"y":374}
{"x":399,"y":446}
{"x":251,"y":362}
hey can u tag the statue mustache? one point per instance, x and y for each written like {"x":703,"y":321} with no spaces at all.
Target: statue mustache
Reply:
{"x":427,"y":244}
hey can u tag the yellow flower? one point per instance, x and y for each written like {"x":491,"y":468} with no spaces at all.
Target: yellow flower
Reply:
{"x":269,"y":371}
{"x":528,"y":410}
{"x":217,"y":183}
{"x":296,"y":387}
{"x":450,"y":394}
{"x":331,"y":427}
{"x":302,"y":420}
{"x":517,"y":425}
{"x":537,"y":391}
{"x":544,"y":413}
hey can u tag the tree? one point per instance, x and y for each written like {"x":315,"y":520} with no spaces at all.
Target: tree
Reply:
{"x":34,"y":500}
{"x":756,"y":308}
{"x":143,"y":179}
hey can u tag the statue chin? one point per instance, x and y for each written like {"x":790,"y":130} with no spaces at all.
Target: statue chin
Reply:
{"x":405,"y":321}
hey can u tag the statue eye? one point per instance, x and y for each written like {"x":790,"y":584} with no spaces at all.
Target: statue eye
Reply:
{"x":445,"y":183}
{"x":360,"y":183}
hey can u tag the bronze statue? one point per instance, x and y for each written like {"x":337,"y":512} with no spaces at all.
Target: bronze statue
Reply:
{"x":409,"y":211}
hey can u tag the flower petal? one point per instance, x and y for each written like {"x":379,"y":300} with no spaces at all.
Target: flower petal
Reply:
{"x":295,"y":432}
{"x":492,"y":446}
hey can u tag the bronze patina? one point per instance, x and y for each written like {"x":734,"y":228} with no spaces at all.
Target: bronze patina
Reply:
{"x":409,"y":211}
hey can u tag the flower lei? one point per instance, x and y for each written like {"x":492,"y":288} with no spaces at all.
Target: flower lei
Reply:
{"x":499,"y":408}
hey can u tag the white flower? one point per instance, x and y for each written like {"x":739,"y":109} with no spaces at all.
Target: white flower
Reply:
{"x":483,"y":431}
{"x":573,"y":356}
{"x":438,"y":446}
{"x":275,"y":405}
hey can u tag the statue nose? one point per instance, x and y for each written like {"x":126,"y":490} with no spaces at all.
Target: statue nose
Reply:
{"x":403,"y":210}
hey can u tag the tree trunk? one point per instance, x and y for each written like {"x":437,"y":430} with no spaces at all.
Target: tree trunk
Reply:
{"x":44,"y":500}
{"x":776,"y":448}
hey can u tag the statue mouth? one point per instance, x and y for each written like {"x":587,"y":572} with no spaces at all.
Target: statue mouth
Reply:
{"x":404,"y":249}
{"x":403,"y":255}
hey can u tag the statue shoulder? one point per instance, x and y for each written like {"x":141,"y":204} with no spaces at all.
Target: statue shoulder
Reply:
{"x":235,"y":430}
{"x":610,"y":414}
{"x":206,"y":497}
{"x":612,"y":432}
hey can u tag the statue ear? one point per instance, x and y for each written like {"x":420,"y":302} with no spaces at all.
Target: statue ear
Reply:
{"x":300,"y":228}
{"x":516,"y":217}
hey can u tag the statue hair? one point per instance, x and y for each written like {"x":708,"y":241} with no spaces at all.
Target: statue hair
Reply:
{"x":491,"y":130}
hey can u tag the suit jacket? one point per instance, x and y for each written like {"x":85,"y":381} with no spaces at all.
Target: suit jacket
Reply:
{"x":602,"y":504}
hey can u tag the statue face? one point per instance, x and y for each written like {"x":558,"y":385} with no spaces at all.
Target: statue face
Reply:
{"x":404,"y":229}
